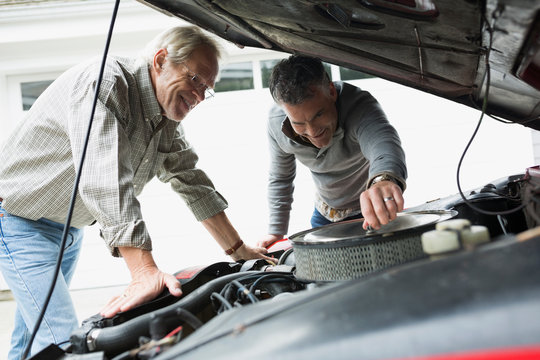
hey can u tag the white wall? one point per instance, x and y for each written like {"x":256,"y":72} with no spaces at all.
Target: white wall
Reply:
{"x":229,"y":135}
{"x":49,"y":38}
{"x":536,"y":146}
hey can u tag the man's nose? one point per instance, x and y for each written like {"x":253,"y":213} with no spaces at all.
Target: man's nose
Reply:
{"x":311,"y":130}
{"x":199,"y":94}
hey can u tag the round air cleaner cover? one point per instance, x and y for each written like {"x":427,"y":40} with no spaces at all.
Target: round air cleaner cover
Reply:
{"x":345,"y":251}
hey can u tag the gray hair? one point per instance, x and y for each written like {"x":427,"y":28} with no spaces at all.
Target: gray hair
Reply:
{"x":292,"y":78}
{"x":180,"y":42}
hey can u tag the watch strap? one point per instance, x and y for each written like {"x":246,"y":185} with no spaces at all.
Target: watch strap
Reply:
{"x":385,"y":177}
{"x":233,"y":248}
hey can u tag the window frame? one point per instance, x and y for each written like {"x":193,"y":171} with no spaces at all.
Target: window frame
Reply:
{"x":14,"y":89}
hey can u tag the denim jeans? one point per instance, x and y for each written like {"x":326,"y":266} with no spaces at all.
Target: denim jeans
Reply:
{"x":318,"y":220}
{"x":28,"y":255}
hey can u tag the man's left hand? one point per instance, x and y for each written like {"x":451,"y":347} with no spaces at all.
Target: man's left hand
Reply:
{"x":246,"y":252}
{"x":147,"y":282}
{"x":381,"y":203}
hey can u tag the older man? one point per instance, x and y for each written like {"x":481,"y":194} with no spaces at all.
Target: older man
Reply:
{"x":136,"y":135}
{"x":342,"y":135}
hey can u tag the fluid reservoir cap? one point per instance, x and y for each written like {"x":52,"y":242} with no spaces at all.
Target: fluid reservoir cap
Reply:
{"x":455,"y":224}
{"x":476,"y":235}
{"x":440,"y":241}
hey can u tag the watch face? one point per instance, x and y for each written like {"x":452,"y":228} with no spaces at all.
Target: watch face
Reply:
{"x":385,"y":177}
{"x":382,"y":178}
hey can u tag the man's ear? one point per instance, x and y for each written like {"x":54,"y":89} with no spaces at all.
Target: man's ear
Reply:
{"x":160,"y":58}
{"x":332,"y":90}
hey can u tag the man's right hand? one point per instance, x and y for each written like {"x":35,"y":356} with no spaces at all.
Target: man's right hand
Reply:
{"x":146,"y":284}
{"x":381,"y":203}
{"x":269,"y":240}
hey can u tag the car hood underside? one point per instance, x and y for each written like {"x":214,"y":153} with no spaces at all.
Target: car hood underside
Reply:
{"x":436,"y":46}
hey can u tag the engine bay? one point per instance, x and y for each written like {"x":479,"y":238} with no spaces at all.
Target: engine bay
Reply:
{"x":234,"y":308}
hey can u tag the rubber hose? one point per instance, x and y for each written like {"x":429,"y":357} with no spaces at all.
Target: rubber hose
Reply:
{"x":116,"y":339}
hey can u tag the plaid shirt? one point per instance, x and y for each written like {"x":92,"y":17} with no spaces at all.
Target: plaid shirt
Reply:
{"x":130,"y":143}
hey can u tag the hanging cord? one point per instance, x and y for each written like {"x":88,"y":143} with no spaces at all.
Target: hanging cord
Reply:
{"x":484,"y":108}
{"x":75,"y":186}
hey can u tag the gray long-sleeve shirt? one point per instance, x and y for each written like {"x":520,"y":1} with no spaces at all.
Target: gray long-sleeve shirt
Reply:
{"x":364,"y":145}
{"x":131,"y":142}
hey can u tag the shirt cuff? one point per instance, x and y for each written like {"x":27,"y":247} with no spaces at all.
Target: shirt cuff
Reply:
{"x":133,"y":234}
{"x":208,"y":206}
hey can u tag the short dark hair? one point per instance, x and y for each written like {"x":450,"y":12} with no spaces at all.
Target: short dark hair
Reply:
{"x":292,"y":78}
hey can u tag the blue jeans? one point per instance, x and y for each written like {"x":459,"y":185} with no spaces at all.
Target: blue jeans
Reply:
{"x":318,"y":220}
{"x":28,"y":254}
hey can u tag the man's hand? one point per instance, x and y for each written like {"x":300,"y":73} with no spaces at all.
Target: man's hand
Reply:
{"x":381,"y":203}
{"x":246,"y":252}
{"x":269,"y":240}
{"x":225,"y":234}
{"x":147,"y":282}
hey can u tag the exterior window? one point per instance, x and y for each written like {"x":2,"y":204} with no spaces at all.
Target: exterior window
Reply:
{"x":328,"y":69}
{"x":236,"y":76}
{"x":30,"y":91}
{"x":266,"y":70}
{"x":348,"y":74}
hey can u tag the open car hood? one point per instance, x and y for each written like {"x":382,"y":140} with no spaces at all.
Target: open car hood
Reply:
{"x":436,"y":46}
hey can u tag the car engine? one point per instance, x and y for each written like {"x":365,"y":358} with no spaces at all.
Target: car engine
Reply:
{"x":352,"y":284}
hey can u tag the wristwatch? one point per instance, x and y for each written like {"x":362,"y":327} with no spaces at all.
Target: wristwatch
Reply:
{"x":384,"y":177}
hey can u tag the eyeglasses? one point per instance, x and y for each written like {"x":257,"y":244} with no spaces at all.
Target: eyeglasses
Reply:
{"x":199,"y":83}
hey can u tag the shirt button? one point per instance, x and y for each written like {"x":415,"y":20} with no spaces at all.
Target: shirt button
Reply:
{"x":146,"y":160}
{"x":135,"y":186}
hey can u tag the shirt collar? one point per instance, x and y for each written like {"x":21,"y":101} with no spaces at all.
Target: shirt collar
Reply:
{"x":287,"y":129}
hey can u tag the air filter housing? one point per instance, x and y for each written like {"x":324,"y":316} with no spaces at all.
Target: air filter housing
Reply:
{"x":346,"y":251}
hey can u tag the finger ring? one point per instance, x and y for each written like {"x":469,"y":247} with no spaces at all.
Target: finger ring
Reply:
{"x":388,"y":198}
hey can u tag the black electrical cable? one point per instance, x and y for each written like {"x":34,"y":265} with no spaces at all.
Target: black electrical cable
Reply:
{"x":484,"y":107}
{"x":224,"y":302}
{"x":244,"y":290}
{"x":75,"y":186}
{"x":285,"y":277}
{"x":228,"y":293}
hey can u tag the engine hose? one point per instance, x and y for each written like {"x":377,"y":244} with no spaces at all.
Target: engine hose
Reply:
{"x":116,"y":339}
{"x":160,"y":325}
{"x":224,"y":303}
{"x":242,"y":289}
